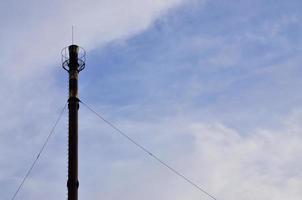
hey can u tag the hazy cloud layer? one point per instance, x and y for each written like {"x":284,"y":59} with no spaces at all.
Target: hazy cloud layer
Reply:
{"x":33,"y":33}
{"x":211,"y":87}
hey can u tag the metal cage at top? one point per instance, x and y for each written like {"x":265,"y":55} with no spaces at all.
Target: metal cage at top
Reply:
{"x":66,"y":59}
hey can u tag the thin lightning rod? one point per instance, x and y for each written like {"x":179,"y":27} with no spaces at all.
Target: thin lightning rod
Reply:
{"x":72,"y":34}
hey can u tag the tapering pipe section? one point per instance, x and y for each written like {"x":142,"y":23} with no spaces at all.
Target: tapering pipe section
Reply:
{"x":73,"y":65}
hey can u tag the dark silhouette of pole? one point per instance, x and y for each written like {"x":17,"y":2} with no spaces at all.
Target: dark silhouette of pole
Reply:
{"x":73,"y":106}
{"x":73,"y":64}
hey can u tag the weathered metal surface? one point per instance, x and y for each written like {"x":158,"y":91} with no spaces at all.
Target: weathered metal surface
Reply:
{"x":74,"y":67}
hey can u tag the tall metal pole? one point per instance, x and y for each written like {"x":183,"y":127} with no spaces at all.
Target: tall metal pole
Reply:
{"x":73,"y":65}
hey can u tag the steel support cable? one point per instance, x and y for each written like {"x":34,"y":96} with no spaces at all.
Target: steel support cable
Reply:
{"x":40,"y":152}
{"x":149,"y":152}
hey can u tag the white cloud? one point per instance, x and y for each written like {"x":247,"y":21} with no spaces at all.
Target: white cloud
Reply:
{"x":262,"y":165}
{"x":227,"y":163}
{"x":38,"y":30}
{"x":32,"y":35}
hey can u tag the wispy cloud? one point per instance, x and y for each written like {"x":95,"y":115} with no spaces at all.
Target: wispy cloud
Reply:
{"x":260,"y":164}
{"x":212,"y":87}
{"x":33,"y":34}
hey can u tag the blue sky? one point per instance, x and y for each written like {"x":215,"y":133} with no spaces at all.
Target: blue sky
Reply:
{"x":211,"y":87}
{"x":216,"y":60}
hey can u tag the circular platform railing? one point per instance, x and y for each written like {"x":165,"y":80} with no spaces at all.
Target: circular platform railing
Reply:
{"x":66,"y":59}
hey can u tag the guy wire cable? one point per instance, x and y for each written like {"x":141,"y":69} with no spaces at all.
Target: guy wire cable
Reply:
{"x":39,"y":153}
{"x":149,"y":152}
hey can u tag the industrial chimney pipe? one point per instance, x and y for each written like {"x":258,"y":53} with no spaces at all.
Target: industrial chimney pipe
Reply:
{"x":73,"y":64}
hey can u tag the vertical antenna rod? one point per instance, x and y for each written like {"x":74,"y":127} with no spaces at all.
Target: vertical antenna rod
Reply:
{"x":73,"y":64}
{"x":72,"y":34}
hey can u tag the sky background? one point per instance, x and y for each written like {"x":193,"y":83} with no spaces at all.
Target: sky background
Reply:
{"x":210,"y":86}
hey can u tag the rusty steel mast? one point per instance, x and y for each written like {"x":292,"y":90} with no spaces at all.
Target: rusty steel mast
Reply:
{"x":73,"y":61}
